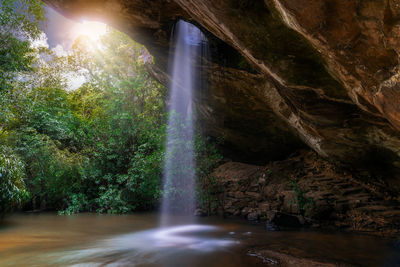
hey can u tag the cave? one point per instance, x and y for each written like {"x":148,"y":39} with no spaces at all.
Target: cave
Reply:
{"x":281,"y":80}
{"x":302,"y":99}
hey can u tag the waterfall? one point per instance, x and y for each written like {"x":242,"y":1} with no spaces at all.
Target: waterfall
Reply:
{"x":187,"y":45}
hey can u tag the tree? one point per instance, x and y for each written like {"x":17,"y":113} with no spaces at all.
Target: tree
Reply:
{"x":22,"y":17}
{"x":12,"y":189}
{"x":19,"y":23}
{"x":126,"y":110}
{"x":97,"y":148}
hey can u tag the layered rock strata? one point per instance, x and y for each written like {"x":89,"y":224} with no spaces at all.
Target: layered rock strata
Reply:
{"x":305,"y":190}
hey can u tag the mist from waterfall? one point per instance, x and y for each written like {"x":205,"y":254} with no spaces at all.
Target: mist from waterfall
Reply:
{"x":187,"y":46}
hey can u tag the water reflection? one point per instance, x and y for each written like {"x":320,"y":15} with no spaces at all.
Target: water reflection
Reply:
{"x":149,"y":247}
{"x":134,"y":240}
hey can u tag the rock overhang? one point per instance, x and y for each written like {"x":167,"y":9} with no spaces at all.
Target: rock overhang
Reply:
{"x":284,"y":72}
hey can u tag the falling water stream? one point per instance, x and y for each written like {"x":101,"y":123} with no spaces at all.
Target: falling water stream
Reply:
{"x":179,"y":170}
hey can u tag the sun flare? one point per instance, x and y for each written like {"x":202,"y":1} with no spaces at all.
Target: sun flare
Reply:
{"x":94,"y":30}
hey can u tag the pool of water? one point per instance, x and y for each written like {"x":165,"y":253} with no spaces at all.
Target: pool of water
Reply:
{"x":135,"y":240}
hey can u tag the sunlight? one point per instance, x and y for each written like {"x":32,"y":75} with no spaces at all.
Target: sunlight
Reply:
{"x":94,"y":30}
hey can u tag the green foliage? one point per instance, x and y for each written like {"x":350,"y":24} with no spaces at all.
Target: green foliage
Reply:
{"x":144,"y":175}
{"x":12,"y":173}
{"x":19,"y":23}
{"x":75,"y":204}
{"x":23,"y":16}
{"x":52,"y":172}
{"x":208,"y":158}
{"x":124,"y":110}
{"x":302,"y":201}
{"x":97,"y":148}
{"x":110,"y":201}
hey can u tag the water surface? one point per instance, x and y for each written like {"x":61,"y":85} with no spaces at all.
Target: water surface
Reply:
{"x":136,"y":240}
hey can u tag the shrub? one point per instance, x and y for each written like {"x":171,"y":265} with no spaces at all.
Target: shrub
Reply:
{"x":12,"y":188}
{"x":207,"y":159}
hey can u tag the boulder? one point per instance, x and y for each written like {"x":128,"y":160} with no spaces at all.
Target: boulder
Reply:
{"x":287,"y":220}
{"x":252,"y":216}
{"x":200,"y":213}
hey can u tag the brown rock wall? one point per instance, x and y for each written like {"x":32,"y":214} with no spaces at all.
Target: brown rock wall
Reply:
{"x":309,"y":190}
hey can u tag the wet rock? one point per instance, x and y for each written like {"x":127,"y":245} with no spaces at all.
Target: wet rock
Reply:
{"x":200,"y":213}
{"x":236,"y":213}
{"x":270,"y":226}
{"x":228,"y":204}
{"x":231,"y":210}
{"x":241,"y":204}
{"x":275,"y":258}
{"x":262,"y":180}
{"x":254,"y":195}
{"x":239,"y":195}
{"x":290,"y":202}
{"x":265,"y":260}
{"x":328,"y":194}
{"x":264,"y":207}
{"x":252,"y":216}
{"x":302,"y":220}
{"x":246,"y":211}
{"x":287,"y":220}
{"x":271,"y":215}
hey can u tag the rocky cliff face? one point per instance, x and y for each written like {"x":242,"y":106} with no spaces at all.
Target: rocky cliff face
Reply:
{"x":324,"y":73}
{"x":305,"y":189}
